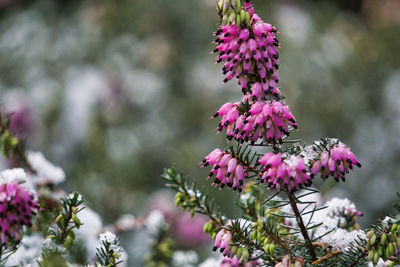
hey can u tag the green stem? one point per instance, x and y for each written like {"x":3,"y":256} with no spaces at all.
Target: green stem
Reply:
{"x":303,"y":229}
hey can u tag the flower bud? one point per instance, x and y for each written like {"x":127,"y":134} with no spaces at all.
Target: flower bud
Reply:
{"x":224,"y":19}
{"x":178,"y":198}
{"x":237,"y":20}
{"x":238,"y":6}
{"x":266,"y":241}
{"x":380,"y":251}
{"x":239,"y":252}
{"x":14,"y":142}
{"x":370,"y":255}
{"x":206,"y":227}
{"x":373,"y":239}
{"x":245,"y":255}
{"x":392,"y":250}
{"x":259,"y":237}
{"x":232,"y":17}
{"x":76,"y":220}
{"x":393,"y":236}
{"x":220,"y":4}
{"x":226,"y":6}
{"x":383,"y":238}
{"x":387,"y":252}
{"x":370,"y":233}
{"x":266,"y":248}
{"x":68,"y":242}
{"x":234,"y":249}
{"x":299,"y":262}
{"x":271,"y":249}
{"x":286,"y":261}
{"x":247,"y":17}
{"x":375,"y":258}
{"x":59,"y":217}
{"x":242,"y":15}
{"x":394,"y":228}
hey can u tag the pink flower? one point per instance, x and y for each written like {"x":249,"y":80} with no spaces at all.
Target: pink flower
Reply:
{"x":223,"y":242}
{"x":284,"y":172}
{"x":234,"y":262}
{"x":268,"y":121}
{"x":17,"y":207}
{"x":336,"y":161}
{"x":190,"y":230}
{"x":249,"y":53}
{"x":226,"y":168}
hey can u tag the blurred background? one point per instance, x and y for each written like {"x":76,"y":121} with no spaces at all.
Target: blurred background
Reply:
{"x":114,"y":91}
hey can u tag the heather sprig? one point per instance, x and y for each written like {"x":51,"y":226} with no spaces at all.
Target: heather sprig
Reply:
{"x":109,"y":250}
{"x":62,"y":233}
{"x":190,"y":198}
{"x":278,"y":231}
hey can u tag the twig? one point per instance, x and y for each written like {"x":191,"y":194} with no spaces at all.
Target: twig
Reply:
{"x":326,"y":257}
{"x":303,"y":229}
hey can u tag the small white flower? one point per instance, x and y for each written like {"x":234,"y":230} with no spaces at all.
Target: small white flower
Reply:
{"x":184,"y":258}
{"x":126,"y":222}
{"x":71,"y":196}
{"x":154,"y":221}
{"x":46,"y":172}
{"x":90,"y":229}
{"x":111,"y":239}
{"x":28,"y":250}
{"x":387,"y":221}
{"x":13,"y":175}
{"x":341,"y":239}
{"x":108,"y":237}
{"x":380,"y":263}
{"x":337,"y":205}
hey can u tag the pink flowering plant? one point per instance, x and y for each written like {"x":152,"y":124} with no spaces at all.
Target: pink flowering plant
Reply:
{"x":32,"y":207}
{"x":283,"y":222}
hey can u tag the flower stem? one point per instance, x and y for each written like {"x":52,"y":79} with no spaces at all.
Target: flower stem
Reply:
{"x":303,"y":229}
{"x":326,"y":257}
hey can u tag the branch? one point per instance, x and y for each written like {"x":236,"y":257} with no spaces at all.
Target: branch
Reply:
{"x":303,"y":229}
{"x":190,"y":197}
{"x":326,"y":257}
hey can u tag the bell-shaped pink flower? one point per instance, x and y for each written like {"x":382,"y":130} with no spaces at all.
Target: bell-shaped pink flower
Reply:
{"x":268,"y":121}
{"x":249,"y":53}
{"x":234,"y":262}
{"x":335,"y":162}
{"x":17,"y":207}
{"x":284,"y":172}
{"x":227,"y":169}
{"x":223,"y":241}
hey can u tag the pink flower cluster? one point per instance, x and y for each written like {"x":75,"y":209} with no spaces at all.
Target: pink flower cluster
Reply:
{"x":250,"y":54}
{"x":17,"y":207}
{"x":234,"y":262}
{"x":223,"y":242}
{"x":226,"y":168}
{"x":284,"y":173}
{"x":265,"y":120}
{"x":335,"y":162}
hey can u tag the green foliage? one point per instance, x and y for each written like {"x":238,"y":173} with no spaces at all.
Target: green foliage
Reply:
{"x":161,"y":250}
{"x":190,"y":198}
{"x":61,"y":235}
{"x":106,"y":254}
